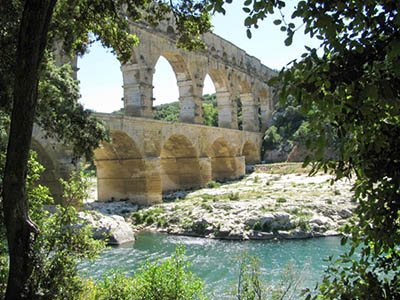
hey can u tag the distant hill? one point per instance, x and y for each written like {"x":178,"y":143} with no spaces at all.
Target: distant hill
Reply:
{"x":170,"y":111}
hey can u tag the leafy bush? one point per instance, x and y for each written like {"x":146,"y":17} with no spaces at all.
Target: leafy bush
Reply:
{"x":272,"y":139}
{"x":113,"y":285}
{"x":213,"y":184}
{"x":58,"y":247}
{"x":257,"y":226}
{"x":234,"y":196}
{"x":251,"y":287}
{"x":168,"y":280}
{"x":281,"y":200}
{"x":76,"y":189}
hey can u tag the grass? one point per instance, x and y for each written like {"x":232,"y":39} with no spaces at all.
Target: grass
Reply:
{"x":213,"y":184}
{"x":206,"y":207}
{"x":234,"y":196}
{"x":281,"y":200}
{"x":286,"y":168}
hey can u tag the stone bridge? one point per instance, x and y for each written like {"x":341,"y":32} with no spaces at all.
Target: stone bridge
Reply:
{"x":149,"y":157}
{"x":235,"y":75}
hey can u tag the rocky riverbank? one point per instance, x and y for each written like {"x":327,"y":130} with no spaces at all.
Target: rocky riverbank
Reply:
{"x":264,"y":205}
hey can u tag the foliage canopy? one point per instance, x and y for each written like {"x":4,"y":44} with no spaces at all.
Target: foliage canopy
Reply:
{"x":352,"y":82}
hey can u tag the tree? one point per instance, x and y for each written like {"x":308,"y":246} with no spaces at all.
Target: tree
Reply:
{"x":352,"y":82}
{"x":29,"y":30}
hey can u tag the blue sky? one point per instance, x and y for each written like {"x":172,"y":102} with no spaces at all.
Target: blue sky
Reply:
{"x":101,"y":79}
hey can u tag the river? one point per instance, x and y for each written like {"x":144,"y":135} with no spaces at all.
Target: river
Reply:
{"x":216,"y":261}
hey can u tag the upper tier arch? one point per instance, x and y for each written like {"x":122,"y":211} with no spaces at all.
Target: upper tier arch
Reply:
{"x":235,"y":73}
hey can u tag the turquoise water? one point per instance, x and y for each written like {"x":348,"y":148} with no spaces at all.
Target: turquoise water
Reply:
{"x":215,"y":261}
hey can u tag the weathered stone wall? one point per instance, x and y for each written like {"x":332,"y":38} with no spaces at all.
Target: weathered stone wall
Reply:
{"x":149,"y":157}
{"x":56,"y":159}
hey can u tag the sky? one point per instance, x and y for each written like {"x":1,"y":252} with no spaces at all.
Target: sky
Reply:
{"x":101,"y":78}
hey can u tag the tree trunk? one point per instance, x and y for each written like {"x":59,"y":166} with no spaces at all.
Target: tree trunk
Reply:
{"x":32,"y":42}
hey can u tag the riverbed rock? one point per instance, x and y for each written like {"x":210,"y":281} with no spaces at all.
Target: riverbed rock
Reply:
{"x":321,"y":221}
{"x":122,"y":208}
{"x":114,"y":229}
{"x":267,"y":205}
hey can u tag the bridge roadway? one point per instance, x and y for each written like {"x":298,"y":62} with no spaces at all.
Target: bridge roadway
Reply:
{"x":149,"y":157}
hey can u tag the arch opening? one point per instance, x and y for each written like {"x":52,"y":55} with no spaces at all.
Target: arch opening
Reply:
{"x":250,"y":153}
{"x":121,"y":170}
{"x":226,"y":117}
{"x":165,"y":87}
{"x":209,"y":103}
{"x":223,"y":162}
{"x":180,"y":167}
{"x":100,"y":83}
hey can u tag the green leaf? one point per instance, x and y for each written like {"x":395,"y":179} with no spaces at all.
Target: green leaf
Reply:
{"x":277,"y":22}
{"x":246,"y":9}
{"x":289,"y":41}
{"x":248,"y":32}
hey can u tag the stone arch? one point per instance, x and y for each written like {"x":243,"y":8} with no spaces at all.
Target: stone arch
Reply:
{"x":171,"y":32}
{"x":121,"y":170}
{"x":250,"y":153}
{"x":189,"y":102}
{"x":226,"y":118}
{"x":180,"y":167}
{"x":51,"y":175}
{"x":223,"y":161}
{"x":244,"y":85}
{"x":178,"y":64}
{"x":164,"y":82}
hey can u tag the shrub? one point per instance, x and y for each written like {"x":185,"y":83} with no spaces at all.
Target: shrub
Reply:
{"x":76,"y":189}
{"x":60,"y":244}
{"x":251,"y":287}
{"x":303,"y":224}
{"x":167,"y":280}
{"x":150,"y":220}
{"x":113,"y":285}
{"x":207,"y":207}
{"x":281,"y":200}
{"x":234,"y":196}
{"x":257,"y":226}
{"x":272,"y":139}
{"x":213,"y":184}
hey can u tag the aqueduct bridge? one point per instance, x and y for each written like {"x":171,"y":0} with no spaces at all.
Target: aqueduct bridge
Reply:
{"x":149,"y":157}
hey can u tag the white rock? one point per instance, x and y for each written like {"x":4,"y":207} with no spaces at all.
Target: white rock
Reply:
{"x":114,"y":229}
{"x":345,"y":213}
{"x":321,"y":220}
